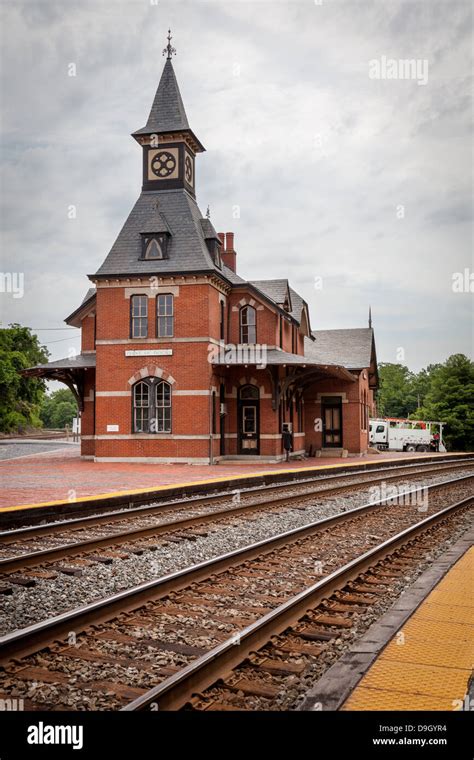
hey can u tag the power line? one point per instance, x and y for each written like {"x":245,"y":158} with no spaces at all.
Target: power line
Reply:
{"x":54,"y":329}
{"x":61,"y":340}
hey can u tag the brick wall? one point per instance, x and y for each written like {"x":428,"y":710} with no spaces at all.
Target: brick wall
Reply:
{"x":197,"y":316}
{"x":354,"y":412}
{"x":88,"y":333}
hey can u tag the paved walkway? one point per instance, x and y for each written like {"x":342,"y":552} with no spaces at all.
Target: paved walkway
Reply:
{"x":60,"y":474}
{"x":427,"y":665}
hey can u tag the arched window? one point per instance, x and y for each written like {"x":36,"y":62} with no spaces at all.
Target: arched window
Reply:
{"x":154,"y":245}
{"x":151,"y":406}
{"x":154,"y":250}
{"x":247,"y":392}
{"x":248,"y":325}
{"x":164,"y":316}
{"x":141,"y":408}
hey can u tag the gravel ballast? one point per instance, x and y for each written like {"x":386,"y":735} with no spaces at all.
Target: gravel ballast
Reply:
{"x":51,"y":597}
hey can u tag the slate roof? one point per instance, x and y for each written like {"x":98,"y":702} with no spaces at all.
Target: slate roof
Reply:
{"x":277,"y":290}
{"x":351,"y":348}
{"x":232,"y":276}
{"x":167,"y":111}
{"x":187,"y":249}
{"x":297,"y":304}
{"x":208,"y":229}
{"x":90,"y":293}
{"x":82,"y":361}
{"x":156,"y":223}
{"x":78,"y":314}
{"x":275,"y":356}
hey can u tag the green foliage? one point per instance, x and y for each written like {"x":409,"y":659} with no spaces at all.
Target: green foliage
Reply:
{"x":450,"y":398}
{"x":58,"y":409}
{"x":396,"y":396}
{"x":20,"y":397}
{"x":443,"y":392}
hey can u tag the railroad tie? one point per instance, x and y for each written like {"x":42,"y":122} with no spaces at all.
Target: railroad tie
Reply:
{"x":292,"y":647}
{"x":336,"y":621}
{"x":278,"y":667}
{"x":21,"y":580}
{"x":252,"y":688}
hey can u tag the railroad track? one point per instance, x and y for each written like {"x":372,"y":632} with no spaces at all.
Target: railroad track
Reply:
{"x":157,"y":644}
{"x":116,"y":506}
{"x":137,"y":529}
{"x":299,"y":641}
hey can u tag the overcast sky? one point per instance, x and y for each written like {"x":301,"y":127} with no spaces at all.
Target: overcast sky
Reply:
{"x":365,"y":183}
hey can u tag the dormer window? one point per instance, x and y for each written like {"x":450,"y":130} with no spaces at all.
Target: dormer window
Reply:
{"x":155,"y":246}
{"x":154,"y":250}
{"x":215,"y":251}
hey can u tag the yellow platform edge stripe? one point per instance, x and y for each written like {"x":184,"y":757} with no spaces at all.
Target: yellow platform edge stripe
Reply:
{"x":223,"y":478}
{"x":385,"y":667}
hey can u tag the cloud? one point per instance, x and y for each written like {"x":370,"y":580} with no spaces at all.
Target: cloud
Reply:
{"x":319,"y":158}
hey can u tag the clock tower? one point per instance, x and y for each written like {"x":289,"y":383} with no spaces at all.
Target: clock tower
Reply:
{"x":169,"y":144}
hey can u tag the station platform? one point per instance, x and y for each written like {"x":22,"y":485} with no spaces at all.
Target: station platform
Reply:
{"x":428,"y":665}
{"x":418,"y":655}
{"x":57,"y":476}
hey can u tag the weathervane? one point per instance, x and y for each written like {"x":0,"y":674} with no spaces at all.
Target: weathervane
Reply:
{"x":208,"y":212}
{"x":169,"y":49}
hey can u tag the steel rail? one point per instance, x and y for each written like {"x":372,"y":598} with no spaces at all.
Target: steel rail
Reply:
{"x":174,"y":691}
{"x":30,"y":559}
{"x":7,"y":536}
{"x":32,"y":638}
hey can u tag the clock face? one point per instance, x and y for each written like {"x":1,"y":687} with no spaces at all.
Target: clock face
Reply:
{"x":163,"y":164}
{"x":188,"y":169}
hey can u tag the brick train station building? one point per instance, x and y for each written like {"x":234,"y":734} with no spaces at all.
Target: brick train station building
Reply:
{"x":183,"y":360}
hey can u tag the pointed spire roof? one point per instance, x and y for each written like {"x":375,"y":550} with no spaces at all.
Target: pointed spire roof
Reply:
{"x":167,"y":111}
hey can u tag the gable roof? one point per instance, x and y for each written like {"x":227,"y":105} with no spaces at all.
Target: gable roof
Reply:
{"x":277,"y":290}
{"x":350,"y":348}
{"x":87,"y":304}
{"x":90,"y":294}
{"x":280,"y":291}
{"x":298,"y":305}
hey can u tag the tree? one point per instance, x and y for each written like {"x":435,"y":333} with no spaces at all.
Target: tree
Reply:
{"x":450,"y":399}
{"x":396,"y":396}
{"x":20,"y":397}
{"x":58,"y":409}
{"x":421,"y":384}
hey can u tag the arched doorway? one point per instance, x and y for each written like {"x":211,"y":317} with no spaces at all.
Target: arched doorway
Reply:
{"x":248,"y":419}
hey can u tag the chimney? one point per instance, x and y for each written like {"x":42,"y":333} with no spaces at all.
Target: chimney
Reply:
{"x":228,"y":254}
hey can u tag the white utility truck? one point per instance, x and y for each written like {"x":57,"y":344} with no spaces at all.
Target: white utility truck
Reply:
{"x":397,"y":434}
